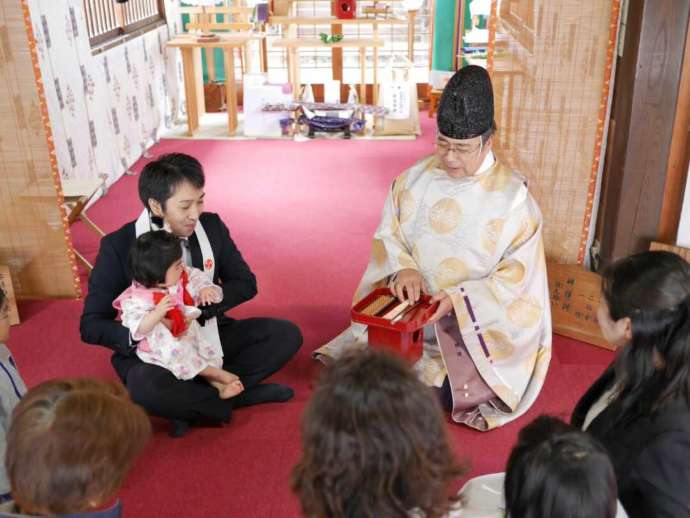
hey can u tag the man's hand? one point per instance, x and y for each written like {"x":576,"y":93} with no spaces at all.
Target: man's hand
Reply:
{"x":207,"y":296}
{"x":408,"y":282}
{"x":445,"y":306}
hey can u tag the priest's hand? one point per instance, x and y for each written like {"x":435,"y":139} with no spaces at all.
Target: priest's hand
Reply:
{"x":445,"y":306}
{"x":408,"y":282}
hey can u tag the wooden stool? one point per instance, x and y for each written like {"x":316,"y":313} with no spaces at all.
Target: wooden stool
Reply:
{"x":77,"y":194}
{"x":434,"y":98}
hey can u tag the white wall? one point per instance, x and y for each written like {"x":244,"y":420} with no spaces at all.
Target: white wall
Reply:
{"x":106,"y":109}
{"x":684,"y":226}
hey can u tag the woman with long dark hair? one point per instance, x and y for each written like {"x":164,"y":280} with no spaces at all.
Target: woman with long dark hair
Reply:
{"x":639,"y":409}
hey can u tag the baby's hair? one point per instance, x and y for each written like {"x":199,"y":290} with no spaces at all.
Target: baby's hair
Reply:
{"x":151,"y":256}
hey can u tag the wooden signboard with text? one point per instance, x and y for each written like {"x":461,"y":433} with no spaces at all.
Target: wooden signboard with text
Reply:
{"x":683,"y":252}
{"x":575,"y":294}
{"x":6,"y":285}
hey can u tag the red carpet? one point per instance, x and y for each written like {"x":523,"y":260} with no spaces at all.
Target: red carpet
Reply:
{"x":303,"y":216}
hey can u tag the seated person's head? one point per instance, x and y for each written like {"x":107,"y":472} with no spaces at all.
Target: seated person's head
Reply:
{"x":70,"y":445}
{"x":4,"y":317}
{"x":555,"y":470}
{"x":465,"y":121}
{"x":172,"y":189}
{"x":374,"y":442}
{"x":155,"y":259}
{"x":645,"y":308}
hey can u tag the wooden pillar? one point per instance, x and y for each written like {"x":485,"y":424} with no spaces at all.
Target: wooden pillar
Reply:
{"x":193,"y":86}
{"x":679,"y":156}
{"x":231,"y":88}
{"x":263,"y":51}
{"x":375,"y":82}
{"x":645,"y":100}
{"x":363,"y":75}
{"x":411,"y":17}
{"x":337,"y":55}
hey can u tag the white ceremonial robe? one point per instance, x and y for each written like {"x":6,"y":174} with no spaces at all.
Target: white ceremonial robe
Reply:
{"x":479,"y":239}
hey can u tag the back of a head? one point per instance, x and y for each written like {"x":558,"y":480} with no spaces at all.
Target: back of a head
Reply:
{"x":160,"y":178}
{"x":151,"y":255}
{"x":375,"y":443}
{"x":70,"y":445}
{"x":555,"y":470}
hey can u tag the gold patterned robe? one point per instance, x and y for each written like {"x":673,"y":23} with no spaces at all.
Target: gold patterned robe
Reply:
{"x":479,"y":239}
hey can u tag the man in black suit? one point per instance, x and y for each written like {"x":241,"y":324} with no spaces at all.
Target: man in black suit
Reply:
{"x":171,"y":189}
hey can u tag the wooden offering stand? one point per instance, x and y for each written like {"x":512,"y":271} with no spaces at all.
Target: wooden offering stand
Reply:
{"x":393,"y":325}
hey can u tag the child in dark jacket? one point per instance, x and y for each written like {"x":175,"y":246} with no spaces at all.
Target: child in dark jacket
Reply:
{"x":12,"y":388}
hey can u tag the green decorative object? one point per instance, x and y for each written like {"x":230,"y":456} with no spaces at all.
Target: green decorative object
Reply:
{"x":335,"y":38}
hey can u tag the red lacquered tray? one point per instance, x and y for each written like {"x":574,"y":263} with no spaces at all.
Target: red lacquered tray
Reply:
{"x":404,"y":336}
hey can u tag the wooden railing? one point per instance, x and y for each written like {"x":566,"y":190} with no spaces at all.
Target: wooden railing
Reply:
{"x":141,"y":12}
{"x":101,"y":19}
{"x":108,"y":19}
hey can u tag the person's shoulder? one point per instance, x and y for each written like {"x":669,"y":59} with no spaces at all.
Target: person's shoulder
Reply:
{"x":663,"y":436}
{"x":515,"y":176}
{"x":672,"y":422}
{"x":425,"y":165}
{"x":212,"y":218}
{"x":5,"y":352}
{"x":664,"y":449}
{"x":500,"y":178}
{"x":417,"y":172}
{"x":212,"y":222}
{"x":506,"y":188}
{"x":122,"y":236}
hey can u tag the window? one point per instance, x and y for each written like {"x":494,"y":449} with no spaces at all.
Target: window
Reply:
{"x":395,"y":38}
{"x":108,"y":19}
{"x":316,"y":64}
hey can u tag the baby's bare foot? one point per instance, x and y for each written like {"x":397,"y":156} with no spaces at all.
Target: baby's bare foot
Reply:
{"x":230,"y":378}
{"x":231,"y":389}
{"x":218,"y":385}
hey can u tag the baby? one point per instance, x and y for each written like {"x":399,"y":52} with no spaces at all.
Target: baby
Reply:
{"x":160,"y":310}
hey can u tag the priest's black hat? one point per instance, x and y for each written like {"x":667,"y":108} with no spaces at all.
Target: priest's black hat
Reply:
{"x":466,"y":109}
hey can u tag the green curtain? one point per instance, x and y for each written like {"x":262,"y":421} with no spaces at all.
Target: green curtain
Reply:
{"x":444,"y":30}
